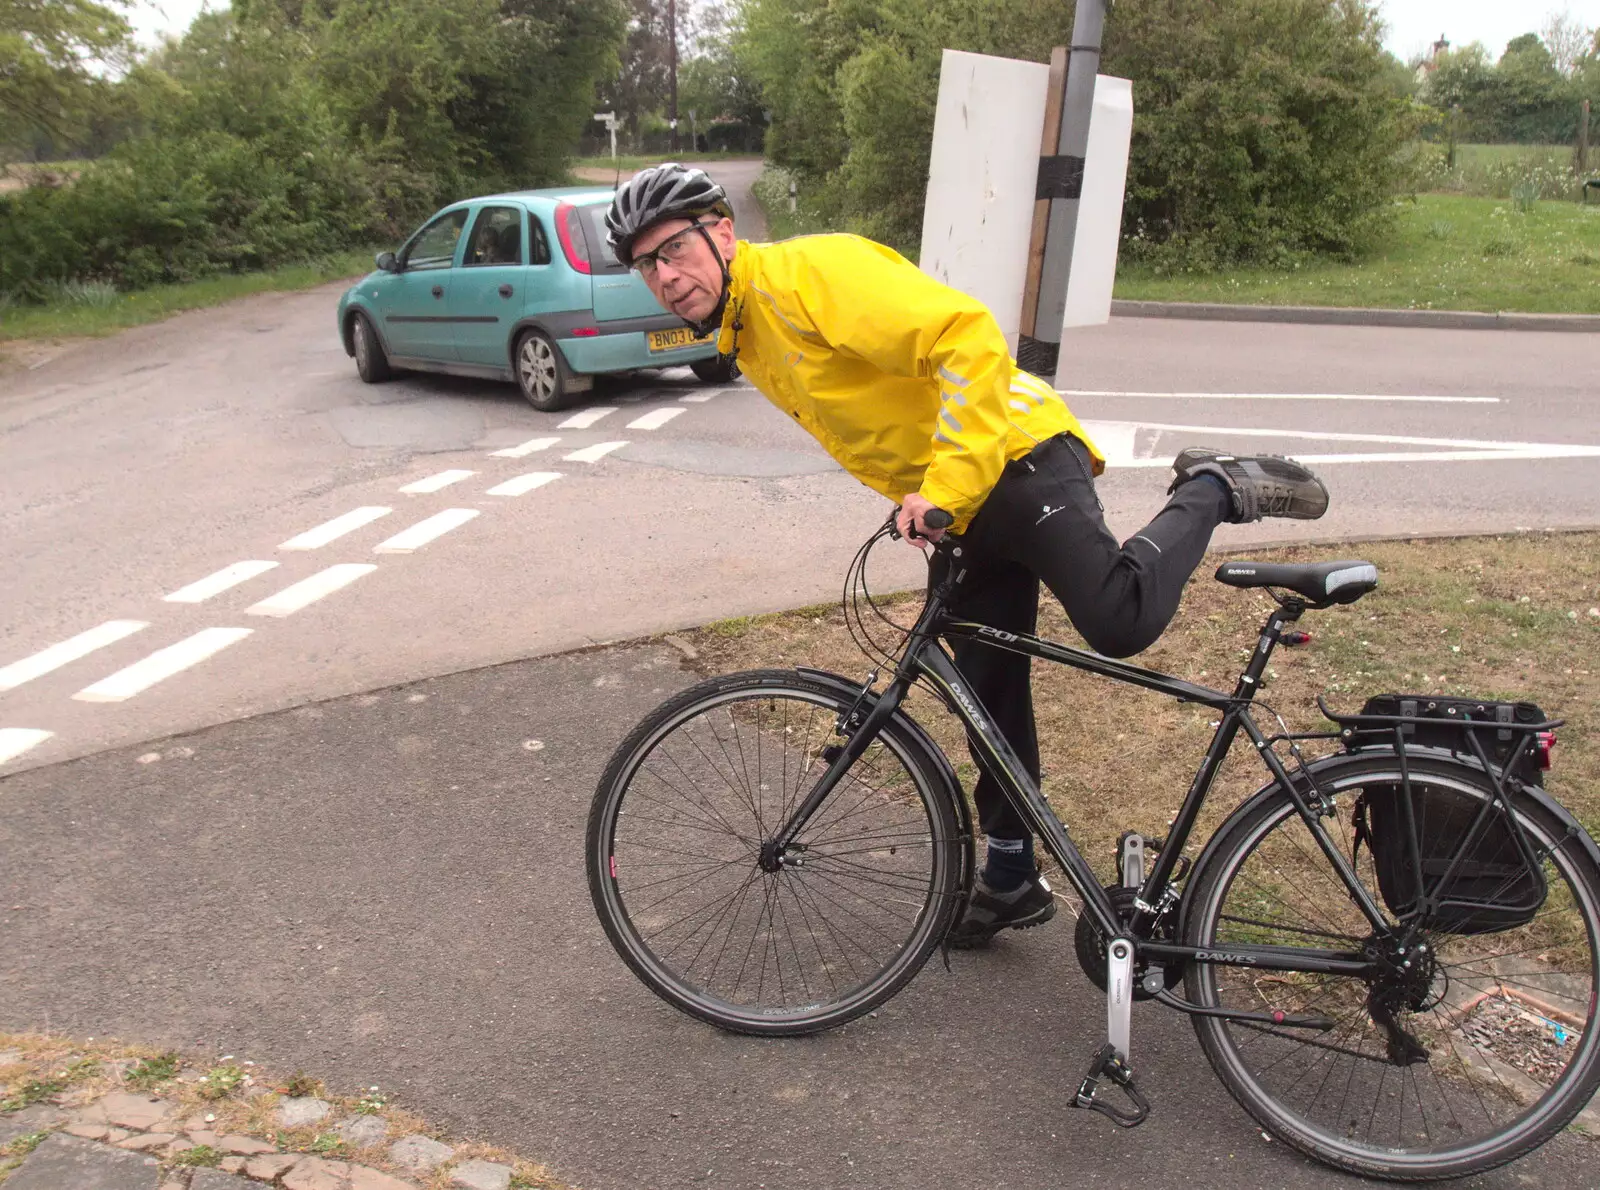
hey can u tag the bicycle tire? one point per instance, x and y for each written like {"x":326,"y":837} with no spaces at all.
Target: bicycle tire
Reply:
{"x":1506,"y":1019}
{"x":700,"y":784}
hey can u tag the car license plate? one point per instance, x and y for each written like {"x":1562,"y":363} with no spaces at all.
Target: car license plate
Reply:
{"x":678,"y":337}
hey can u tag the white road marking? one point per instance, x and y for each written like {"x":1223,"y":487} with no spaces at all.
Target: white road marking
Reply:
{"x":215,"y":584}
{"x":316,"y":538}
{"x":656,"y":418}
{"x":163,"y":663}
{"x":697,"y":398}
{"x":14,"y":741}
{"x":523,"y":449}
{"x":307,"y":591}
{"x":586,"y":418}
{"x":524,"y":483}
{"x":1116,"y":442}
{"x":1091,"y":392}
{"x":592,"y":454}
{"x":425,"y":531}
{"x":434,"y":482}
{"x":58,"y":655}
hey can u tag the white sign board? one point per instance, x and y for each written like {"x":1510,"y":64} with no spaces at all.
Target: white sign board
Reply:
{"x":1105,"y":177}
{"x":981,"y":179}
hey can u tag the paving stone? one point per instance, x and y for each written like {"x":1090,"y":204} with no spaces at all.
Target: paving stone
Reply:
{"x":146,"y":1140}
{"x":38,"y":1118}
{"x":270,"y":1166}
{"x":420,"y":1154}
{"x":63,"y":1162}
{"x":9,"y":1056}
{"x":174,"y":1186}
{"x":362,"y":1178}
{"x":113,"y":1135}
{"x":481,"y":1175}
{"x":231,"y":1165}
{"x":181,"y":1145}
{"x":88,"y":1131}
{"x":247,"y":1145}
{"x":216,"y":1179}
{"x":307,"y":1109}
{"x":135,"y":1111}
{"x":361,"y":1131}
{"x":203,"y":1136}
{"x":317,"y":1173}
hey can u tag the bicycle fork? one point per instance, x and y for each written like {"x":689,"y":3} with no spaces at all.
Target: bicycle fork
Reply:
{"x":1112,"y":1060}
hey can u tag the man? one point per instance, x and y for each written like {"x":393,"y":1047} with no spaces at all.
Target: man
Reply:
{"x":910,"y":386}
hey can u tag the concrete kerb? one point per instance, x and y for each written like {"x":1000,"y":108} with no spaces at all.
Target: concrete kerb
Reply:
{"x":1467,"y":320}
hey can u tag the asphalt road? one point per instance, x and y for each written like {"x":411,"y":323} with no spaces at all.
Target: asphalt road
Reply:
{"x":347,"y":860}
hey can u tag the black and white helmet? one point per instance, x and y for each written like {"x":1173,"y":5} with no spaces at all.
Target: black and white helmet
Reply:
{"x":667,"y":191}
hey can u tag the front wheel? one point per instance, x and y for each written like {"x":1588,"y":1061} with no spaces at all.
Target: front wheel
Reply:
{"x":372,"y":364}
{"x":689,"y":891}
{"x":1462,"y":1052}
{"x":720,"y":369}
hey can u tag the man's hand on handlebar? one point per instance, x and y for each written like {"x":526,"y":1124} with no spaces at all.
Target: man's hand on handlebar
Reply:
{"x":916,"y":519}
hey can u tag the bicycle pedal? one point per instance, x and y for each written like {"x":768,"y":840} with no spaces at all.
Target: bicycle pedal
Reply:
{"x":1108,"y":1064}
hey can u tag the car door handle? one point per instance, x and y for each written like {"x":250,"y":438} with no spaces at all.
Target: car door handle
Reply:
{"x":438,"y":291}
{"x":505,"y":291}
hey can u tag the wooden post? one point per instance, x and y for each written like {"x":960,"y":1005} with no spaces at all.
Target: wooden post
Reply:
{"x":1450,"y":156}
{"x":1041,"y":208}
{"x":1583,"y":144}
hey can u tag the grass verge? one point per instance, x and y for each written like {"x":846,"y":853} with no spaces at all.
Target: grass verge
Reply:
{"x":1503,"y":617}
{"x":1449,"y":252}
{"x":100,"y":311}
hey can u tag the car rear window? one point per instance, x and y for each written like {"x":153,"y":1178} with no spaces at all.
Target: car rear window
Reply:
{"x":601,"y":257}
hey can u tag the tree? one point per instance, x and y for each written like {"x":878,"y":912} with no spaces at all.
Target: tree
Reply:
{"x":1567,"y":41}
{"x":52,"y":53}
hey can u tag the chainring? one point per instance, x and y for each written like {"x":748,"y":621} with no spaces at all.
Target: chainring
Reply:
{"x":1090,"y":946}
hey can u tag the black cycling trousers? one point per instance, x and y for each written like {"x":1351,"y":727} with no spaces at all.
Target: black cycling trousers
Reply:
{"x":1042,"y":521}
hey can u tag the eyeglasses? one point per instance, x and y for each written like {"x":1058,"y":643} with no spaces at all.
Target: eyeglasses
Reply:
{"x":674,"y":252}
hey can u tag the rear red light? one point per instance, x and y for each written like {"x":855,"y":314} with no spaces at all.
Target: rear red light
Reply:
{"x":1544,"y":741}
{"x":573,"y":246}
{"x":585,"y":332}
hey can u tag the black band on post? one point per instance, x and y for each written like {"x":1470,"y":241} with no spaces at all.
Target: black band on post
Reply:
{"x":1037,"y":357}
{"x":1059,"y":177}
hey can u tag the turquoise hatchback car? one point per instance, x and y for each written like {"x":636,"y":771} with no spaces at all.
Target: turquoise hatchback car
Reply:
{"x":519,"y":287}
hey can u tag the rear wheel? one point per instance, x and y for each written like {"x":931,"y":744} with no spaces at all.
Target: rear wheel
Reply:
{"x":721,"y":369}
{"x":542,"y":373}
{"x":1492,"y":1048}
{"x":689,"y":892}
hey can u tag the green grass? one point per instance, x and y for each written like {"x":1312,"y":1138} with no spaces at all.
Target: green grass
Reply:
{"x":1449,"y":252}
{"x":67,"y":318}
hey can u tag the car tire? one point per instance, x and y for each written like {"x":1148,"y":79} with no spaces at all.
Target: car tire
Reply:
{"x":371,"y":361}
{"x":722,"y":369}
{"x":542,"y":373}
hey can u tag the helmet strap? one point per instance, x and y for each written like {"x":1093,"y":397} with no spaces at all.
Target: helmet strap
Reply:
{"x":714,"y":319}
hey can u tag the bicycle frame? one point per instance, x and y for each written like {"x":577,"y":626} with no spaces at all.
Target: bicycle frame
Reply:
{"x":926,"y":658}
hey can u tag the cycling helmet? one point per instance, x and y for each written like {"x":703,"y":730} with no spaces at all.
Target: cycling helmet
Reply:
{"x":668,"y":191}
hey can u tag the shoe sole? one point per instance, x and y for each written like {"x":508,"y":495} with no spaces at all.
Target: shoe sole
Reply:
{"x":976,"y":942}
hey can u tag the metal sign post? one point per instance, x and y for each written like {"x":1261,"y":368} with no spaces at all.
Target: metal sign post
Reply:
{"x":1061,"y":183}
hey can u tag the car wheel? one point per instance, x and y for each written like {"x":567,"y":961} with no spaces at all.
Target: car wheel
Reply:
{"x":371,"y":362}
{"x":722,"y":369}
{"x":542,"y":373}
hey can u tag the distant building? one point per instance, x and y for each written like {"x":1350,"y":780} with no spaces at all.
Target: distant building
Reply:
{"x":1427,"y":65}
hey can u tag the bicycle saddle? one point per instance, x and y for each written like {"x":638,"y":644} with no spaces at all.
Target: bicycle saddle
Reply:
{"x":1320,"y":582}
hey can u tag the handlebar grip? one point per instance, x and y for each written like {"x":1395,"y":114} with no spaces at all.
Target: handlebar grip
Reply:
{"x":938,"y":518}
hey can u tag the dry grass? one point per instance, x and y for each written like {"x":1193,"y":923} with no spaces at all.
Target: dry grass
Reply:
{"x":74,"y":1072}
{"x":1503,"y":617}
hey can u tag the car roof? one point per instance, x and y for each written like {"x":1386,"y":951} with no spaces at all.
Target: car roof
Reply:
{"x":549,"y":195}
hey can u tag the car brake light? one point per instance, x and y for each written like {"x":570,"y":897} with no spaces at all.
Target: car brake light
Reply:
{"x":1544,"y":741}
{"x":573,"y":246}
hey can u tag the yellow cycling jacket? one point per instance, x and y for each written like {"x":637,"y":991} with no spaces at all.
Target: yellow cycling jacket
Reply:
{"x":906,"y":382}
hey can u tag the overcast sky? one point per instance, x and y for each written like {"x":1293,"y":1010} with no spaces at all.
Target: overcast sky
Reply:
{"x":1413,"y":24}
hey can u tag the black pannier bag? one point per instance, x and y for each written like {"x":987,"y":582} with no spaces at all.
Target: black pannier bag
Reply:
{"x":1495,"y":888}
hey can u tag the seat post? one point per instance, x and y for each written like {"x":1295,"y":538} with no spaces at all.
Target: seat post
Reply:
{"x":1287,"y":612}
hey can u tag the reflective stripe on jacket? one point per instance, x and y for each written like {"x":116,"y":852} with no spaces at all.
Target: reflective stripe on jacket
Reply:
{"x":906,"y":382}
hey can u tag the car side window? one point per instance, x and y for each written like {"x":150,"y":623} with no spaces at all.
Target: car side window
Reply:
{"x":496,"y":237}
{"x":434,"y":247}
{"x":594,"y":216}
{"x":538,"y":242}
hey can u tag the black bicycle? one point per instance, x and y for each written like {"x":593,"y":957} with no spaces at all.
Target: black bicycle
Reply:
{"x":1388,"y":952}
